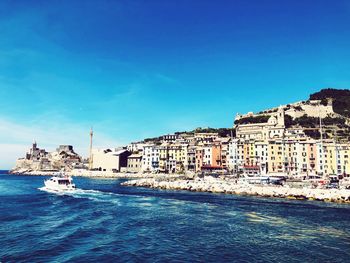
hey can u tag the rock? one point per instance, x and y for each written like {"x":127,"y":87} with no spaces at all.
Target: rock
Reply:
{"x":216,"y":185}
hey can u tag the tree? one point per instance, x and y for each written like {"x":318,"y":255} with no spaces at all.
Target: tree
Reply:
{"x":253,"y":119}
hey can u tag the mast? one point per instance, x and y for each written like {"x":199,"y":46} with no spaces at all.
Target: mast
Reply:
{"x":321,"y":138}
{"x":335,"y":139}
{"x":90,"y":152}
{"x":231,"y":142}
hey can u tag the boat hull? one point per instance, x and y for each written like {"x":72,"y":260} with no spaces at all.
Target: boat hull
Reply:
{"x":59,"y":184}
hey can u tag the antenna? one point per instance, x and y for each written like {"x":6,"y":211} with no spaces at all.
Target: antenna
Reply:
{"x":90,"y":157}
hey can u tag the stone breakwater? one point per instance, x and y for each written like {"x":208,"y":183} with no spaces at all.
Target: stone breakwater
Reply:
{"x":217,"y":185}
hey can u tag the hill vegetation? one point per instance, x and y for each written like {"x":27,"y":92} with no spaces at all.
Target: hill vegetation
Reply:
{"x":253,"y":119}
{"x":312,"y":122}
{"x":222,"y":132}
{"x":341,"y":99}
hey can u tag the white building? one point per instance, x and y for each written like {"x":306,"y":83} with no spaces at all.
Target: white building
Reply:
{"x":135,"y":146}
{"x":150,"y":158}
{"x":207,"y":155}
{"x":232,"y":157}
{"x":109,"y":160}
{"x":261,"y":155}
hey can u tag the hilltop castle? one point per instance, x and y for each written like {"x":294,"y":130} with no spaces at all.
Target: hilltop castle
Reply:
{"x":37,"y":159}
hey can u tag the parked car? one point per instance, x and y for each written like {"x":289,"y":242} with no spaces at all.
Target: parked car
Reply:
{"x":332,"y":186}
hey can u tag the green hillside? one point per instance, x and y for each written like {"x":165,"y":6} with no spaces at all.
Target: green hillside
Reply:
{"x":341,"y":99}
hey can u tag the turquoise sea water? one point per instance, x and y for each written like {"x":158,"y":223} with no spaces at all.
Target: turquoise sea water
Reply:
{"x":105,"y":222}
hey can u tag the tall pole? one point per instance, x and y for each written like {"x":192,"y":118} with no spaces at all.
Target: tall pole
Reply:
{"x":335,"y":139}
{"x":90,"y":157}
{"x":321,"y":137}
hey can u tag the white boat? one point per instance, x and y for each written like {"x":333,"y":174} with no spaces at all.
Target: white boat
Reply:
{"x":60,"y":184}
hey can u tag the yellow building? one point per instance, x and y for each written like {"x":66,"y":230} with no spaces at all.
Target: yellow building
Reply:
{"x":336,"y":158}
{"x":344,"y":150}
{"x":173,"y":157}
{"x":330,"y":162}
{"x":275,"y":157}
{"x":163,"y":156}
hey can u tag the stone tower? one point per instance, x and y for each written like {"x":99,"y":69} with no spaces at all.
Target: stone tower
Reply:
{"x":280,"y":117}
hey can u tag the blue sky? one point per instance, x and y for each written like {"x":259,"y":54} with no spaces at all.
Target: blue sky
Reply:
{"x":136,"y":69}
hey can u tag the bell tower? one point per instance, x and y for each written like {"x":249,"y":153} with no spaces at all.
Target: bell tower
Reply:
{"x":280,"y":116}
{"x":34,"y":145}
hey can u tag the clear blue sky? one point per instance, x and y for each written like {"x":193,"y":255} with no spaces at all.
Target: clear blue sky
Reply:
{"x":135,"y":69}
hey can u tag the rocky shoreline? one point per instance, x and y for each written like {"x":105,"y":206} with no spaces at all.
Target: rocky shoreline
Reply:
{"x":218,"y":185}
{"x":98,"y":174}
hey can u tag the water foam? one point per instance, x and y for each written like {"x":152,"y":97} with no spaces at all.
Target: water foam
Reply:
{"x":95,"y":195}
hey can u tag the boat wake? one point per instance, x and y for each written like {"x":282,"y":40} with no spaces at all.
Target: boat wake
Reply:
{"x":94,"y":195}
{"x":115,"y":198}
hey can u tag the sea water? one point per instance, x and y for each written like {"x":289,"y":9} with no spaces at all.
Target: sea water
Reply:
{"x":105,"y":222}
